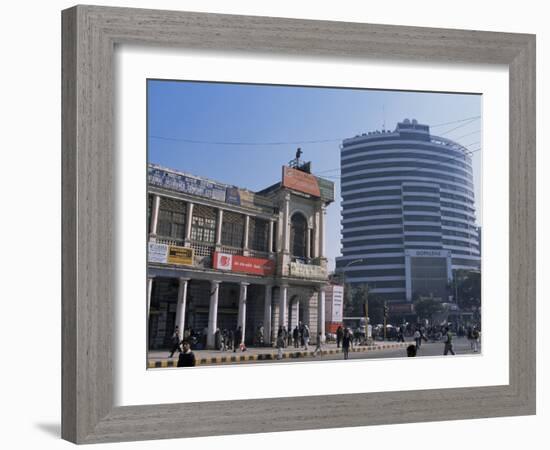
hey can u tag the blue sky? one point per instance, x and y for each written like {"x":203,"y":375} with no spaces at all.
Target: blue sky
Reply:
{"x":242,"y":134}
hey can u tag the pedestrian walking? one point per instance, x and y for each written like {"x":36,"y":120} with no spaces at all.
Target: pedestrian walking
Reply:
{"x":346,"y":342}
{"x":296,"y":336}
{"x":187,"y":357}
{"x":238,"y":338}
{"x":280,"y":345}
{"x":417,"y":338}
{"x":318,"y":349}
{"x":306,"y":336}
{"x":175,"y":340}
{"x":224,"y":340}
{"x":218,"y":339}
{"x":400,"y":335}
{"x":448,"y":339}
{"x":475,"y":340}
{"x":339,"y":336}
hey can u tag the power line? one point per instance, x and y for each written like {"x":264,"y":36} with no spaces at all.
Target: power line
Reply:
{"x":275,"y":143}
{"x":455,"y":121}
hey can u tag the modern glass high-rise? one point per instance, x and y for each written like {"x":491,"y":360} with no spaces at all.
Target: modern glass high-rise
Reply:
{"x":408,"y":215}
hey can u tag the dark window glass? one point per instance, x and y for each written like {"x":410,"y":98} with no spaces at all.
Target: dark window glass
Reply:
{"x":421,"y":208}
{"x":398,"y":240}
{"x":232,"y":229}
{"x":171,"y":220}
{"x":413,"y":238}
{"x":374,"y":212}
{"x":372,"y":194}
{"x":298,"y":230}
{"x":258,"y":234}
{"x":382,"y":231}
{"x":375,"y":273}
{"x":436,"y":149}
{"x":396,"y":201}
{"x":410,"y":218}
{"x":425,"y":228}
{"x":420,"y":198}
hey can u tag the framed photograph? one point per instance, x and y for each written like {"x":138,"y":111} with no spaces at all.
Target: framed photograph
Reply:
{"x":253,"y":200}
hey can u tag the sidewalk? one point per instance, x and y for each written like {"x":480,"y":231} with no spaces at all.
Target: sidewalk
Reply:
{"x":159,"y":359}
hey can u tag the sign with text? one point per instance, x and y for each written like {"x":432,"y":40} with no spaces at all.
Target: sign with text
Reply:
{"x":170,"y":254}
{"x":180,"y":255}
{"x":300,"y":181}
{"x":311,"y":271}
{"x":188,"y":184}
{"x":243,"y":264}
{"x":158,"y":253}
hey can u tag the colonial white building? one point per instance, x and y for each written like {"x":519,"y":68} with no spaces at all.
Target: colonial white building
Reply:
{"x":220,"y":256}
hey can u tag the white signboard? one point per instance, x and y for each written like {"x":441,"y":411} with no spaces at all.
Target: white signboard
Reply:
{"x":158,"y":253}
{"x":337,"y":303}
{"x":307,"y":271}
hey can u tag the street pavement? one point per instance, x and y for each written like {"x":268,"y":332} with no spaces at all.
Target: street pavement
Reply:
{"x":461,"y":346}
{"x":381,"y":349}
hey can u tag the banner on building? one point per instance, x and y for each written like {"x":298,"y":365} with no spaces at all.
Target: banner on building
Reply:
{"x":311,"y":271}
{"x":232,"y":196}
{"x":170,"y":254}
{"x":243,"y":264}
{"x":300,"y":181}
{"x":157,"y":253}
{"x":180,"y":182}
{"x":180,"y":255}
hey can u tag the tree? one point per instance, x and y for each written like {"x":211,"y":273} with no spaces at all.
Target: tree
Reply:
{"x":426,"y":307}
{"x":467,"y":289}
{"x":355,"y":297}
{"x":376,"y":310}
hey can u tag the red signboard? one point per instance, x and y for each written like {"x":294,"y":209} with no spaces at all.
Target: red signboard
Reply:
{"x":300,"y":181}
{"x":243,"y":264}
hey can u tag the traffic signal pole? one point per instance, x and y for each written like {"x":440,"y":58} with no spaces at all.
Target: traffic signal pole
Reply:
{"x":385,"y":319}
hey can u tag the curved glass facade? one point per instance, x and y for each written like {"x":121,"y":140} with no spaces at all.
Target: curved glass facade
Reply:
{"x":408,"y":200}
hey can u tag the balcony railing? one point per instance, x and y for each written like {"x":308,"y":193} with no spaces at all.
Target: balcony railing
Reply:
{"x":231,"y":250}
{"x":170,"y":241}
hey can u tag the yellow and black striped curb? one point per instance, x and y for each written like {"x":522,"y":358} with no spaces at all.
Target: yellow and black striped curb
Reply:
{"x":224,"y":359}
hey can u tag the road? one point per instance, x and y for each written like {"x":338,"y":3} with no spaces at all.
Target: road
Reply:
{"x":461,"y":346}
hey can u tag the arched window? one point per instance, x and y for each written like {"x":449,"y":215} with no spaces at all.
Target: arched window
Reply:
{"x":298,"y":230}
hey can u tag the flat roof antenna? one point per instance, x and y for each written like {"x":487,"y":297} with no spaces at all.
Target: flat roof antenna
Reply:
{"x":383,"y":118}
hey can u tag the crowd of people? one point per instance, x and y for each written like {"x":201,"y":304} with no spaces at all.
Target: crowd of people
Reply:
{"x":299,"y":338}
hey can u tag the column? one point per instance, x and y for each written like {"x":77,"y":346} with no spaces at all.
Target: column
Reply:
{"x":154,"y":217}
{"x":182,"y":300}
{"x":219,"y":227}
{"x":316,"y":235}
{"x":245,"y":235}
{"x":295,"y":314}
{"x":267,"y":313}
{"x":308,"y":243}
{"x":149,"y":292}
{"x":322,"y":231}
{"x":270,"y":244}
{"x":321,"y":313}
{"x":242,"y":309}
{"x":188,"y":223}
{"x":213,"y":313}
{"x":286,"y":224}
{"x":282,"y":305}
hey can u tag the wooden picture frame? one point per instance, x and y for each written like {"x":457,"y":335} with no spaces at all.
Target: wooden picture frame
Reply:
{"x":90,"y":34}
